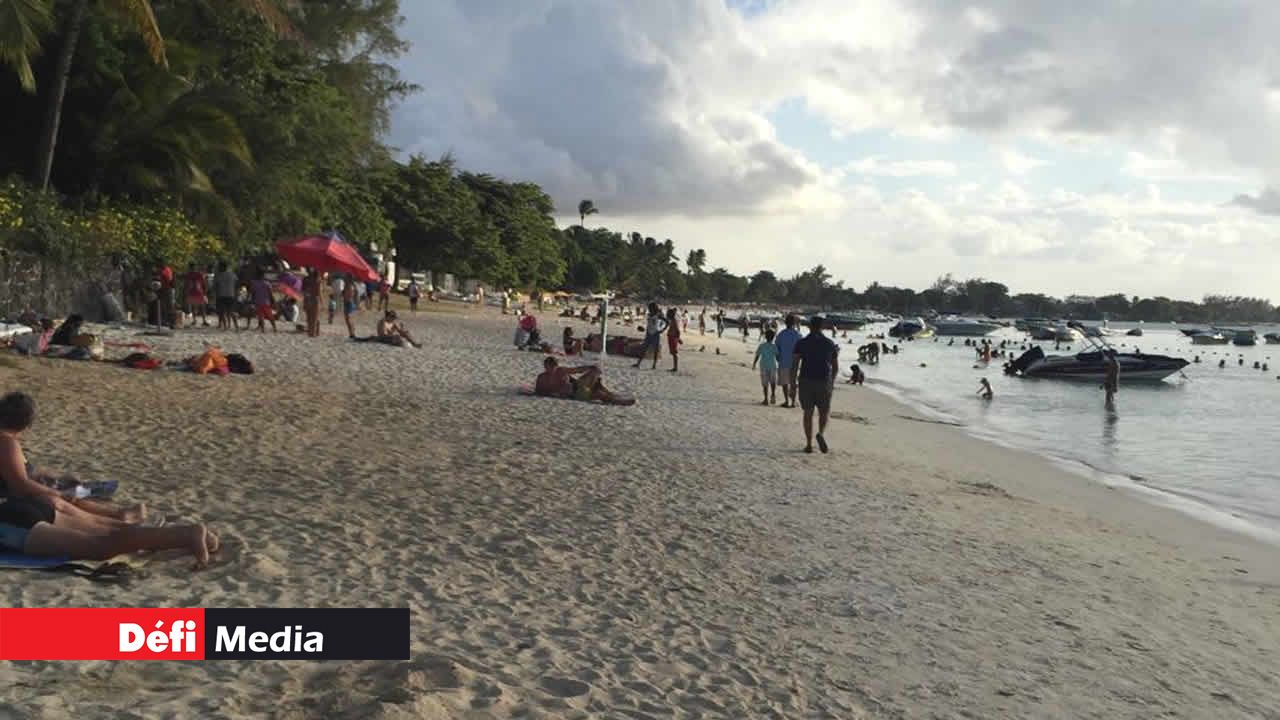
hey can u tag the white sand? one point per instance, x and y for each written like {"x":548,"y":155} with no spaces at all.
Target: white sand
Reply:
{"x":676,"y":559}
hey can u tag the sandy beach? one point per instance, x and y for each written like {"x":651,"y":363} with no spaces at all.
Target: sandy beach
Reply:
{"x":677,"y":559}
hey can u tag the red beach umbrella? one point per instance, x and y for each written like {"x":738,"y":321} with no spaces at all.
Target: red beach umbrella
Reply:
{"x":326,"y":253}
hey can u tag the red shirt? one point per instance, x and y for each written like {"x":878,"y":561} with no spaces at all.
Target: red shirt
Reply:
{"x":166,"y":277}
{"x":195,"y":283}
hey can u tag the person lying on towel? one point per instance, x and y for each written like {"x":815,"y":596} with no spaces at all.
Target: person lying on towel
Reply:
{"x":576,"y":383}
{"x":38,"y":520}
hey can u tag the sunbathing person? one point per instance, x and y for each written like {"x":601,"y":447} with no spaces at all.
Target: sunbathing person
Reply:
{"x":576,"y":383}
{"x":37,"y":520}
{"x":391,"y":332}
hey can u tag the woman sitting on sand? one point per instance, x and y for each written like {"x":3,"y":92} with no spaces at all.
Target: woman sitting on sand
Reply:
{"x":572,"y":345}
{"x":556,"y":381}
{"x":38,"y":520}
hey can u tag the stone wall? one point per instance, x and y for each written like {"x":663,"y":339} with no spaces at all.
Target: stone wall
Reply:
{"x":53,"y":289}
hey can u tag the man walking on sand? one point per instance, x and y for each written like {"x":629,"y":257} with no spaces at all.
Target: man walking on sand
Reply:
{"x":786,"y":342}
{"x":816,"y":364}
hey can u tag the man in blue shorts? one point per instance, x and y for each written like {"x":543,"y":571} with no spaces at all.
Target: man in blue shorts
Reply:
{"x":786,"y":342}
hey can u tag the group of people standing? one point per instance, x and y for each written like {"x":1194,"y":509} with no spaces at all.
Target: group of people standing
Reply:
{"x":806,"y":367}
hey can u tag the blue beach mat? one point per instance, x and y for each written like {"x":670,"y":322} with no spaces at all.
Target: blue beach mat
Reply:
{"x":13,"y":560}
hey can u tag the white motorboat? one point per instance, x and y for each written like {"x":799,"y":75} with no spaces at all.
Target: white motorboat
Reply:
{"x":951,"y":325}
{"x":1209,"y":338}
{"x":1066,"y":333}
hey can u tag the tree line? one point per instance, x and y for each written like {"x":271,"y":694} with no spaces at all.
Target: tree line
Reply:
{"x":197,"y":130}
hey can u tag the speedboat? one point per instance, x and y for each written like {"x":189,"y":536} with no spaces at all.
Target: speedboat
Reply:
{"x":838,"y":321}
{"x":1272,"y":338}
{"x":1206,"y":337}
{"x":1245,"y":338}
{"x":1136,"y":332}
{"x":1092,"y":365}
{"x":1027,"y":323}
{"x":951,"y":325}
{"x":1067,"y":333}
{"x":911,"y":329}
{"x":1093,"y":331}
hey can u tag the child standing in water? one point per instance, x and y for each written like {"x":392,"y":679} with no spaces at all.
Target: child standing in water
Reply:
{"x":673,"y":338}
{"x":984,"y":389}
{"x":767,"y":357}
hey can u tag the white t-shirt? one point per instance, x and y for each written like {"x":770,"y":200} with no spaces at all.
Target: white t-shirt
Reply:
{"x":336,"y":286}
{"x":655,"y":325}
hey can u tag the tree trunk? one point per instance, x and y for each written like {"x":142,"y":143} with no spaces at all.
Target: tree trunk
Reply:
{"x":53,"y":115}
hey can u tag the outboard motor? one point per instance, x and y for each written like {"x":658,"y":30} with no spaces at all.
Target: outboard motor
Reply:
{"x":1024,"y":361}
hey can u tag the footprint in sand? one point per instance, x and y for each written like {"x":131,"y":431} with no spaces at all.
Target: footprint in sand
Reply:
{"x":564,"y":687}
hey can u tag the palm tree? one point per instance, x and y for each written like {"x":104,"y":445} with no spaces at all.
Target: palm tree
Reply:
{"x":585,"y":208}
{"x":22,"y":22}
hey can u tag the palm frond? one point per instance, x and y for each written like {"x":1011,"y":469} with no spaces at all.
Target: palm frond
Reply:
{"x":22,"y":24}
{"x":143,"y":17}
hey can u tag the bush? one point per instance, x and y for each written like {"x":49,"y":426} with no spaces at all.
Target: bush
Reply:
{"x":41,"y":224}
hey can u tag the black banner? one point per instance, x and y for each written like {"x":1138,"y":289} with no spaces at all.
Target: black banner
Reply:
{"x":306,"y":633}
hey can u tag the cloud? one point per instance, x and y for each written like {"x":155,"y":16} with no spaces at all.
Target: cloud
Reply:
{"x":1016,"y":163}
{"x":1266,"y":202}
{"x":881,"y":166}
{"x":595,"y":99}
{"x":660,"y":112}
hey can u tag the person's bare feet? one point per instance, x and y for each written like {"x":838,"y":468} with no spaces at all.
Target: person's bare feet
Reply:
{"x":199,"y":548}
{"x":134,"y":515}
{"x":212,"y":541}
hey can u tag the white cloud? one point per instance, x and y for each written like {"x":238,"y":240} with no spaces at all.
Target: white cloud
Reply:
{"x":1017,"y":163}
{"x":882,"y":166}
{"x":659,"y":111}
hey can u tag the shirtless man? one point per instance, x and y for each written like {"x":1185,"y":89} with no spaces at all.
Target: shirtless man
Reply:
{"x":556,"y":381}
{"x":37,"y":520}
{"x":391,"y":332}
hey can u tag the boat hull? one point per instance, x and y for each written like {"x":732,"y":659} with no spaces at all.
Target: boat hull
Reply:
{"x":1209,"y":340}
{"x":964,"y":329}
{"x":1092,"y":367}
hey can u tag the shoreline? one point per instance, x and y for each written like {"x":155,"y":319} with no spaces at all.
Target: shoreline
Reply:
{"x":678,"y":558}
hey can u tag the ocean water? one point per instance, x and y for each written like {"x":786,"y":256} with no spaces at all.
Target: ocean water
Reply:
{"x":1206,"y":441}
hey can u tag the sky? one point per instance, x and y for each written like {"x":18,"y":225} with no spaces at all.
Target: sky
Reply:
{"x":1091,"y":147}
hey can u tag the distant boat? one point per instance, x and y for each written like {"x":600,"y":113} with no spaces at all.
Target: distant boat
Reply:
{"x":951,"y":325}
{"x":1027,"y":323}
{"x":1245,"y":338}
{"x":1272,"y":338}
{"x":838,"y":321}
{"x":1208,"y":337}
{"x":911,"y":329}
{"x":1136,"y":332}
{"x":1066,"y":333}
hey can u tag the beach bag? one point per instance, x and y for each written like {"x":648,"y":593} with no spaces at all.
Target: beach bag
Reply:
{"x":239,"y":364}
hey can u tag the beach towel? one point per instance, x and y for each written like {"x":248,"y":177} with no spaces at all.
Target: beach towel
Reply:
{"x":110,"y":572}
{"x":529,"y":391}
{"x":210,"y":361}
